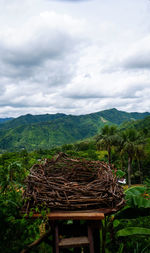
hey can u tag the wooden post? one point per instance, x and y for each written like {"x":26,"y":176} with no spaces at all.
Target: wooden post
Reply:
{"x":56,"y":239}
{"x":90,"y":237}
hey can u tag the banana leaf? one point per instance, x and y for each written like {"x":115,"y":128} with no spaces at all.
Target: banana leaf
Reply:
{"x":137,"y":197}
{"x":133,"y":231}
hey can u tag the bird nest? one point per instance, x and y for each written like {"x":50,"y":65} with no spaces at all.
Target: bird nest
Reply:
{"x":72,"y":184}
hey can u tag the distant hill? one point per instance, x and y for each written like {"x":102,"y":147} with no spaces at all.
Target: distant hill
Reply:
{"x":2,"y":120}
{"x":29,"y":119}
{"x":50,"y":130}
{"x":140,"y":125}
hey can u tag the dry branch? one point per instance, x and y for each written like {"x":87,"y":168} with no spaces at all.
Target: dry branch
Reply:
{"x":72,"y":184}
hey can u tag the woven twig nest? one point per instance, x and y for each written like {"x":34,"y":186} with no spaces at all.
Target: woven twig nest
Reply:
{"x":72,"y":184}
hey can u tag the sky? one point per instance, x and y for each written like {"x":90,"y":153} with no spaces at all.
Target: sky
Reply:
{"x":74,"y":56}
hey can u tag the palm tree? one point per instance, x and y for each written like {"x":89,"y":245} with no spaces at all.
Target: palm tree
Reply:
{"x":140,"y":155}
{"x":130,"y":144}
{"x":107,"y":139}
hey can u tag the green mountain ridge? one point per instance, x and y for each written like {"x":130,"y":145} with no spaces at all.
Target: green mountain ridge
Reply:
{"x":29,"y":119}
{"x":51,"y":130}
{"x":3,"y":120}
{"x":140,"y":124}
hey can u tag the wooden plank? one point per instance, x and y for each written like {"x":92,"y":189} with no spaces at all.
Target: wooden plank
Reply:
{"x":73,"y":216}
{"x":74,"y":242}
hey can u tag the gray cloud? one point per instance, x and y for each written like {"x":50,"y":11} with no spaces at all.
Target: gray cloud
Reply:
{"x":61,"y":57}
{"x":138,"y":55}
{"x":134,"y":90}
{"x":73,"y":1}
{"x":47,"y":56}
{"x":36,"y":51}
{"x":138,"y":62}
{"x":24,"y":61}
{"x":86,"y":95}
{"x":141,"y":61}
{"x":33,"y":68}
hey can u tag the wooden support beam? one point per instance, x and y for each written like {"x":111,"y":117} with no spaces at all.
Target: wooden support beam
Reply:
{"x":73,"y":216}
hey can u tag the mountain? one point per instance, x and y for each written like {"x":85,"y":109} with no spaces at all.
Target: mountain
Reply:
{"x":140,"y":125}
{"x":143,"y":124}
{"x":118,"y":117}
{"x":29,"y":119}
{"x":2,"y":120}
{"x":50,"y":130}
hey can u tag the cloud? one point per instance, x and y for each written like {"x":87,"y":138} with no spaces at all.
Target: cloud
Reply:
{"x":37,"y":59}
{"x":46,"y":38}
{"x":138,"y":55}
{"x":48,"y":44}
{"x":42,"y":54}
{"x":73,"y":58}
{"x":73,"y":1}
{"x":139,"y":61}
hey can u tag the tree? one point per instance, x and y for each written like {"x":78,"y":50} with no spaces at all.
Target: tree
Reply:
{"x":140,"y":155}
{"x":107,"y":139}
{"x":130,"y":143}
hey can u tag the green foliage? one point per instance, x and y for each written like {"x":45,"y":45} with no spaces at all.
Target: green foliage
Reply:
{"x":138,"y":197}
{"x":102,"y":155}
{"x":107,"y":139}
{"x":130,"y":141}
{"x":16,"y":231}
{"x":130,"y":231}
{"x":120,"y":173}
{"x":132,"y":222}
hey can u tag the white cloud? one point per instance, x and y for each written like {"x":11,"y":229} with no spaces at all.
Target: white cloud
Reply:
{"x":138,"y":55}
{"x":38,"y":58}
{"x":74,"y":58}
{"x":46,"y":37}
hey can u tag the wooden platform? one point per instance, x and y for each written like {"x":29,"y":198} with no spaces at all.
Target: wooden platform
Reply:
{"x":81,"y":237}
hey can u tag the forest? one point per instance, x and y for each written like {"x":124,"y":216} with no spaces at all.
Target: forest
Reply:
{"x":46,"y":131}
{"x":126,"y":148}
